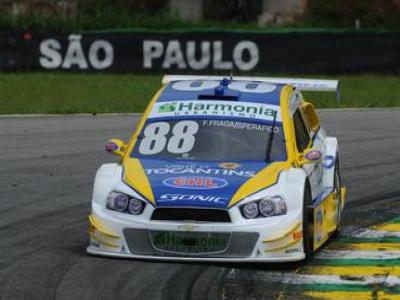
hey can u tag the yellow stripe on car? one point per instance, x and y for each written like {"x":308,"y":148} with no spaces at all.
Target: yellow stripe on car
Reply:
{"x":287,"y":124}
{"x":143,"y":119}
{"x":99,"y":226}
{"x":261,"y":180}
{"x":135,"y":176}
{"x":287,"y":245}
{"x":101,"y":241}
{"x":283,"y":235}
{"x":101,"y":234}
{"x":343,"y":192}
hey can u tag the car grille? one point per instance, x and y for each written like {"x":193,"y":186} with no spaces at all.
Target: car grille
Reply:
{"x":191,"y":214}
{"x":190,"y":244}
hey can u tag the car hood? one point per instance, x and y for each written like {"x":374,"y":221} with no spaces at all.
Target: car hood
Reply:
{"x":190,"y":183}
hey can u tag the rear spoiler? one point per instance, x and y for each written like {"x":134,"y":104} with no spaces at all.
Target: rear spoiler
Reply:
{"x":303,"y":84}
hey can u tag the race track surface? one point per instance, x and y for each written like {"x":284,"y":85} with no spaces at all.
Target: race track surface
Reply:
{"x":47,"y":169}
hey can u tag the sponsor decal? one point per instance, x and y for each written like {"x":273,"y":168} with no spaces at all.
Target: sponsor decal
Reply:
{"x":187,"y":165}
{"x":200,"y":171}
{"x":297,"y":235}
{"x":196,"y":182}
{"x":229,"y":165}
{"x":329,"y":161}
{"x":187,"y":197}
{"x":99,"y":56}
{"x":186,"y":242}
{"x":168,"y":107}
{"x":192,"y":55}
{"x":292,"y":250}
{"x":215,"y":108}
{"x":240,"y":125}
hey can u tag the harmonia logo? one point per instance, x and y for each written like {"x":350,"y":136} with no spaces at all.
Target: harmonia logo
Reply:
{"x":195,"y":182}
{"x":215,"y":108}
{"x":167,"y":107}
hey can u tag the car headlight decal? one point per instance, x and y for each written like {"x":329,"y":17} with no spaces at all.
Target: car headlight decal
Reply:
{"x":135,"y":206}
{"x":250,"y":210}
{"x":267,"y":207}
{"x":264,"y":208}
{"x":124,"y":203}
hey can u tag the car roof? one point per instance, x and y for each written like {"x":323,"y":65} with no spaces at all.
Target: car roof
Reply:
{"x":234,"y":90}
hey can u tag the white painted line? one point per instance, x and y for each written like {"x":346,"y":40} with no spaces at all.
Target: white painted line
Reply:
{"x":369,"y":233}
{"x":351,"y":254}
{"x":305,"y":279}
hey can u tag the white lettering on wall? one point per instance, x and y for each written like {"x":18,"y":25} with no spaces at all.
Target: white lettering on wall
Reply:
{"x":100,"y":55}
{"x":194,"y":55}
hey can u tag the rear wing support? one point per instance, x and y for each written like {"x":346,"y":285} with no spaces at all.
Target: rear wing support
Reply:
{"x":303,"y":84}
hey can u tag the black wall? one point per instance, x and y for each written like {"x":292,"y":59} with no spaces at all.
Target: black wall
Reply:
{"x":201,"y":52}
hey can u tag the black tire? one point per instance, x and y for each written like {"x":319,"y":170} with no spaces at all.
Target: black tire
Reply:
{"x":337,"y":186}
{"x":308,"y":222}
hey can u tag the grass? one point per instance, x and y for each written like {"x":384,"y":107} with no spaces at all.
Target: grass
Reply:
{"x":27,"y":93}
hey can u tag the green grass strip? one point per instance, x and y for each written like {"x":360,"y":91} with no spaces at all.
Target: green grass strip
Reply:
{"x":57,"y":92}
{"x":394,"y":221}
{"x":338,"y":288}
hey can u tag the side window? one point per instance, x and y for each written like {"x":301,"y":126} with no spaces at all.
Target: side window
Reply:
{"x":302,"y":135}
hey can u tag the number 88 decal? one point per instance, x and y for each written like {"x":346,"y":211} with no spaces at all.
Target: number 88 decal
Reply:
{"x":155,"y":138}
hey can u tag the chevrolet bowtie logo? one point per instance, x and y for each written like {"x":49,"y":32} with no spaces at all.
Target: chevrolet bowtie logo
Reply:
{"x":187,"y":227}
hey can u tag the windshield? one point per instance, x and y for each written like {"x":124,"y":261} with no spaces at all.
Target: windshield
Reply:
{"x":209,"y":139}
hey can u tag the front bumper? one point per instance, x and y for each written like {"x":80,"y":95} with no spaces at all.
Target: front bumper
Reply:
{"x":276,"y":239}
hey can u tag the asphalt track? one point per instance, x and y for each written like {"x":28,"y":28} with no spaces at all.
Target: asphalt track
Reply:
{"x":47,"y":166}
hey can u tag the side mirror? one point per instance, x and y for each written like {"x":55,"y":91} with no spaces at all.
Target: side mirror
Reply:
{"x":116,"y":146}
{"x":311,"y":156}
{"x":313,"y":118}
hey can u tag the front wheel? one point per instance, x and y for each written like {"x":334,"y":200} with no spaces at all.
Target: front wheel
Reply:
{"x":308,"y":222}
{"x":338,"y":191}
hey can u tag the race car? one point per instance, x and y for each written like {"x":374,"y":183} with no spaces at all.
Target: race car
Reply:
{"x":232,"y":169}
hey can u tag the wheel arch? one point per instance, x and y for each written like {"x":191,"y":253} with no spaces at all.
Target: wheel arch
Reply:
{"x":295,"y":182}
{"x":107,"y":176}
{"x":329,"y":163}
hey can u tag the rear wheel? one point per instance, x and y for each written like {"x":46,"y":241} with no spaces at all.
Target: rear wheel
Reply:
{"x":308,"y":222}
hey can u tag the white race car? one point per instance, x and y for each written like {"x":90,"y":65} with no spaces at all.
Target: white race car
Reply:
{"x":221,"y":169}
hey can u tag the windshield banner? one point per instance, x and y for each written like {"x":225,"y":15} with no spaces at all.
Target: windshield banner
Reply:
{"x":230,"y":109}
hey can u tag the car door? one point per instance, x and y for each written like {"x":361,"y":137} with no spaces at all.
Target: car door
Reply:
{"x":306,"y":139}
